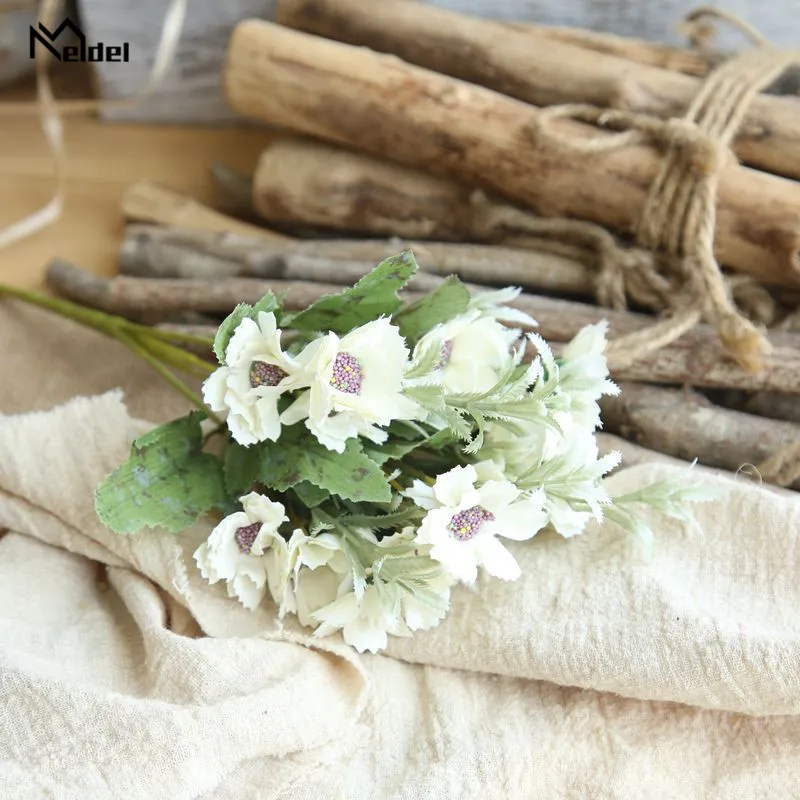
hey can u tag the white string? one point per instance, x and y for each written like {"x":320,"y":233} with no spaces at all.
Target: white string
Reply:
{"x":50,"y":111}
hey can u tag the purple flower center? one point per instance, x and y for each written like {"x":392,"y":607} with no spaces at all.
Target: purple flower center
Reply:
{"x":347,"y":374}
{"x":444,"y":355}
{"x":466,"y":524}
{"x":263,"y":374}
{"x":246,"y":536}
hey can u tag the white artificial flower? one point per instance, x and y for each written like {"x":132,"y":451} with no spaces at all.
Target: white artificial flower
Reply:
{"x":365,"y":622}
{"x":517,"y":452}
{"x":577,"y":472}
{"x":423,"y":608}
{"x":318,"y":569}
{"x":464,"y":521}
{"x":356,"y":384}
{"x":244,"y":549}
{"x":247,"y":386}
{"x":492,"y":304}
{"x":387,"y":606}
{"x":474,"y":350}
{"x":583,"y":374}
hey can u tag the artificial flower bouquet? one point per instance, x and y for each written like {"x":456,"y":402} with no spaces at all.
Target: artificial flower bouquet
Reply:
{"x":365,"y":458}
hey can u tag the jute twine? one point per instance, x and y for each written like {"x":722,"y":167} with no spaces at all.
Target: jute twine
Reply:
{"x":679,"y":215}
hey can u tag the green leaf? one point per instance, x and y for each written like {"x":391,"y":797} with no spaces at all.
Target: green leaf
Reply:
{"x":243,"y":311}
{"x":394,"y":450}
{"x":448,"y":301}
{"x":373,"y":296}
{"x":394,"y":519}
{"x":167,"y":481}
{"x":241,"y":467}
{"x":309,"y":495}
{"x":351,"y":475}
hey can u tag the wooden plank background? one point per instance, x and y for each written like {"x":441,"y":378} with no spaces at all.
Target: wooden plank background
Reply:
{"x":193,"y":92}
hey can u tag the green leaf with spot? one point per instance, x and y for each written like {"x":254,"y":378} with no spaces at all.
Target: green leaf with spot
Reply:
{"x":243,"y":311}
{"x":448,"y":301}
{"x":351,"y":475}
{"x":373,"y":296}
{"x":166,"y":482}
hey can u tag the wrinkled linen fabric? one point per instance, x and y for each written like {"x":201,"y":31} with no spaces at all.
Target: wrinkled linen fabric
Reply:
{"x":603,"y":672}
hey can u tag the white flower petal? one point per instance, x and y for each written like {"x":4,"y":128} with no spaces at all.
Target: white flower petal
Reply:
{"x":520,"y":521}
{"x":241,"y":342}
{"x":334,"y":431}
{"x":246,"y":590}
{"x":365,"y":635}
{"x":315,"y":589}
{"x":451,"y":487}
{"x":496,"y":495}
{"x":297,"y":410}
{"x":457,"y":558}
{"x":214,"y":389}
{"x":422,"y":495}
{"x":496,"y":560}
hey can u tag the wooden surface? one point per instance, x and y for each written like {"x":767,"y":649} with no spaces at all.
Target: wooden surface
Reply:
{"x":103,"y":160}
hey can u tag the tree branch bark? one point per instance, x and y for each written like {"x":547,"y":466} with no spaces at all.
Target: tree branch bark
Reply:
{"x":685,"y":424}
{"x":696,"y":358}
{"x":474,"y":135}
{"x":520,"y":63}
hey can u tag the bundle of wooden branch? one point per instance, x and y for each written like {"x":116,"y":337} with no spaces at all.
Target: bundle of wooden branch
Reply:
{"x":432,"y":139}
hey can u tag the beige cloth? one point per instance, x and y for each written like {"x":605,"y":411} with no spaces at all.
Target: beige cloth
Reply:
{"x":123,"y":675}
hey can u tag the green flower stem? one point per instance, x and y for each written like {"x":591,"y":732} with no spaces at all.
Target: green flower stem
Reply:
{"x":174,"y":356}
{"x":99,"y":320}
{"x":174,"y":381}
{"x":175,"y":336}
{"x":152,"y":345}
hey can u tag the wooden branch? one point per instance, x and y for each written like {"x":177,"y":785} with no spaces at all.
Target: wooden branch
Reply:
{"x":634,"y":454}
{"x":521,"y":64}
{"x":685,"y":424}
{"x":155,"y":252}
{"x":137,"y":297}
{"x":765,"y":404}
{"x":304,"y":181}
{"x":145,"y":201}
{"x":652,"y":54}
{"x":166,"y":252}
{"x":338,"y":93}
{"x":234,"y":190}
{"x":696,"y":358}
{"x":314,"y":183}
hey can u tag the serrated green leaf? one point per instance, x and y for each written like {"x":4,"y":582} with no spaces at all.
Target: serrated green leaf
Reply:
{"x":309,"y":495}
{"x":166,"y":482}
{"x":373,"y":296}
{"x":241,"y":467}
{"x":448,"y":301}
{"x":243,"y":311}
{"x":429,"y":396}
{"x":381,"y":522}
{"x":351,"y":475}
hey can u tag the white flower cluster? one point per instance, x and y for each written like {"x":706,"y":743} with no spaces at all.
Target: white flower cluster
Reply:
{"x":342,"y":387}
{"x":313,"y":577}
{"x":536,"y":469}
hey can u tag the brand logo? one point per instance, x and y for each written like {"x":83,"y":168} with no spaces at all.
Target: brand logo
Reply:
{"x":77,"y":52}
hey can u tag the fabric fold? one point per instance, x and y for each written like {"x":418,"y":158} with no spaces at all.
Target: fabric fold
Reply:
{"x":123,"y":674}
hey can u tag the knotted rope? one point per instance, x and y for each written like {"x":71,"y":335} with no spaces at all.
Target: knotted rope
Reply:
{"x":679,"y":215}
